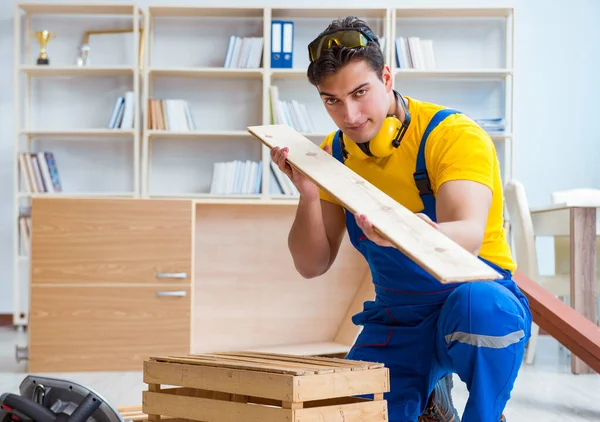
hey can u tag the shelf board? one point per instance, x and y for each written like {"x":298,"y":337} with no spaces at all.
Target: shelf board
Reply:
{"x":330,"y":13}
{"x":71,"y":71}
{"x":288,"y":72}
{"x":240,"y":201}
{"x":79,"y":133}
{"x":453,"y":12}
{"x":206,"y":72}
{"x":203,"y":11}
{"x":77,"y":194}
{"x":207,"y":198}
{"x":84,"y":9}
{"x":198,"y":134}
{"x":452,"y":73}
{"x":500,"y":136}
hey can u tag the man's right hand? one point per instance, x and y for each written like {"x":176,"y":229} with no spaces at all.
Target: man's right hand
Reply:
{"x":307,"y":188}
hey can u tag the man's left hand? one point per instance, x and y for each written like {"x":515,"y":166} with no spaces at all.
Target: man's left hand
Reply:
{"x":367,"y":227}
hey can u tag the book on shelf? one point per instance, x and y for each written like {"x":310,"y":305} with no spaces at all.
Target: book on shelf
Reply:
{"x":172,"y":115}
{"x":280,"y":184}
{"x":236,"y":177}
{"x":122,"y":114}
{"x":414,"y":53}
{"x":244,"y":52}
{"x":39,"y":172}
{"x":24,"y":222}
{"x":492,"y":125}
{"x":291,"y":113}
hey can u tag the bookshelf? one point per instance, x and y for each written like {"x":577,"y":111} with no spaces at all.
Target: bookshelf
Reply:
{"x":63,"y":144}
{"x":184,"y":51}
{"x":473,"y":68}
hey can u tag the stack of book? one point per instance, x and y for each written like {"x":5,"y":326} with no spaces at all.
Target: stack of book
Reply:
{"x":291,"y":113}
{"x":414,"y":53}
{"x":39,"y":172}
{"x":173,"y":115}
{"x":244,"y":52}
{"x":236,"y":178}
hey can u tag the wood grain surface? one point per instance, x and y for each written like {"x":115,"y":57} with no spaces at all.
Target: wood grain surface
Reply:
{"x":444,"y":259}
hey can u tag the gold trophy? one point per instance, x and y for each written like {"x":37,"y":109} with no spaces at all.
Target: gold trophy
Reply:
{"x":43,"y":37}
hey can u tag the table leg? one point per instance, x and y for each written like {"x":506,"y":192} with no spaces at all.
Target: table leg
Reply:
{"x":583,"y":272}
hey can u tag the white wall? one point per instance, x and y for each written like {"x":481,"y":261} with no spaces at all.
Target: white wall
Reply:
{"x":557,"y":57}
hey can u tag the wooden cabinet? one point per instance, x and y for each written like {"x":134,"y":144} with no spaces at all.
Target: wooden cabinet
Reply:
{"x":90,"y":327}
{"x":110,"y":282}
{"x":111,"y":241}
{"x":115,"y":281}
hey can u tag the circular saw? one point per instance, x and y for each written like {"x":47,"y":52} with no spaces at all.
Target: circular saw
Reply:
{"x":44,"y":399}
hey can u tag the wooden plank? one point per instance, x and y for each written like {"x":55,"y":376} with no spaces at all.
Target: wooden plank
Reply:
{"x":233,"y":365}
{"x":341,"y":384}
{"x":216,"y":378}
{"x":278,"y":363}
{"x":201,"y":409}
{"x":584,"y":298}
{"x":320,"y":363}
{"x":577,"y":333}
{"x":433,"y":251}
{"x":370,"y":411}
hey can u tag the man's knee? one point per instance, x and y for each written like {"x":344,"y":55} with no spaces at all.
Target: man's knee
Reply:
{"x":484,"y":314}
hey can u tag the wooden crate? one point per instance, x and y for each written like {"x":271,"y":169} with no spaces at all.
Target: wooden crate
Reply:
{"x":264,"y":387}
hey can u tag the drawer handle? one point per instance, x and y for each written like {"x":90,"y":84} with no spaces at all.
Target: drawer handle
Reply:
{"x":177,"y":293}
{"x":171,"y":275}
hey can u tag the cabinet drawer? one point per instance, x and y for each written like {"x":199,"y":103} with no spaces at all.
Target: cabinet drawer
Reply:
{"x":105,"y":328}
{"x":111,"y":240}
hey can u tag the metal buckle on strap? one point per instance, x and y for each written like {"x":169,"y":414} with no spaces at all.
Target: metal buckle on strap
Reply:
{"x":423,"y":183}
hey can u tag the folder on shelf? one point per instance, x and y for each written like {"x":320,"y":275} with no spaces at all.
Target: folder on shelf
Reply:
{"x":282,"y":44}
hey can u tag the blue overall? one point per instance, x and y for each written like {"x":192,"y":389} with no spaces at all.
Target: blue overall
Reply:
{"x":422,"y":329}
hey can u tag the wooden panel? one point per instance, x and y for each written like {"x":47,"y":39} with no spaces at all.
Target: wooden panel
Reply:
{"x":248,"y":295}
{"x":432,"y":250}
{"x":574,"y":331}
{"x":95,"y":240}
{"x":584,"y":297}
{"x":93,"y":328}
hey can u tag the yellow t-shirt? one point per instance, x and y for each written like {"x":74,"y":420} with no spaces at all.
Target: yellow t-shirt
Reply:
{"x":456,"y":149}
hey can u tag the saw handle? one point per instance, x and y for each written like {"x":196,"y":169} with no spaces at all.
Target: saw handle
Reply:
{"x":85,"y":409}
{"x":28,"y":407}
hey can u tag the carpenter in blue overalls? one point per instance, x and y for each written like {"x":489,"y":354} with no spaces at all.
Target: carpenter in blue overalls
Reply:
{"x":422,"y":329}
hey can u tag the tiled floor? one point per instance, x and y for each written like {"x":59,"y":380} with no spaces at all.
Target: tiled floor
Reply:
{"x":545,"y":391}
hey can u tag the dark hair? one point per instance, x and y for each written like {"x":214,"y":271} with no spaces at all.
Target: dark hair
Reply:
{"x":336,"y":57}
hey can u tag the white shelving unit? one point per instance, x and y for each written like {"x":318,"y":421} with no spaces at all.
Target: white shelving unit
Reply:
{"x":474,"y":64}
{"x":65,"y":109}
{"x":184,"y":52}
{"x":223,"y":100}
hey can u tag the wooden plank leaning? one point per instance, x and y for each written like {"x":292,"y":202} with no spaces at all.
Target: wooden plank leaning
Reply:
{"x":437,"y":254}
{"x":573,"y":330}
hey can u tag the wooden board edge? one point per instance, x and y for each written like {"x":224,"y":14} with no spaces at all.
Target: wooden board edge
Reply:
{"x":577,"y":333}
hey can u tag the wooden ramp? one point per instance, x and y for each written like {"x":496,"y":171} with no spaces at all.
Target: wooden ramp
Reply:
{"x":577,"y":333}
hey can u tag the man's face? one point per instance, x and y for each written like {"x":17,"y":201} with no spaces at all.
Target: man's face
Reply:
{"x":357,"y":100}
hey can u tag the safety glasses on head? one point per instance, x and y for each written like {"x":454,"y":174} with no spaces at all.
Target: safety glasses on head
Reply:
{"x":347,"y":37}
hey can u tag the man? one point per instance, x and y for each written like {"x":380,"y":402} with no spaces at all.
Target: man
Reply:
{"x":441,"y":165}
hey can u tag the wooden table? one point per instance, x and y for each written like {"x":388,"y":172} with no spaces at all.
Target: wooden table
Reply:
{"x":579,"y":221}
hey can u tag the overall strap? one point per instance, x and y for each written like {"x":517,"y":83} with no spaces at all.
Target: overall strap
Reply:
{"x":421,"y":176}
{"x":336,"y":147}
